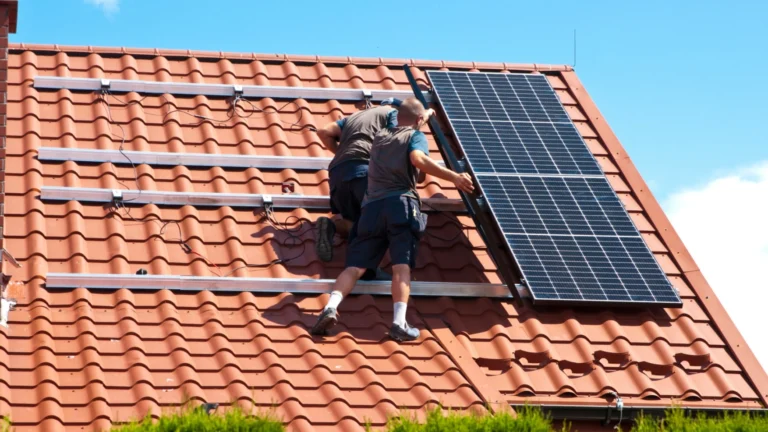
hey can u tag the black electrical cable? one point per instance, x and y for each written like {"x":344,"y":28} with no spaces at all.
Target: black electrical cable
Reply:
{"x":294,"y":234}
{"x":121,"y":148}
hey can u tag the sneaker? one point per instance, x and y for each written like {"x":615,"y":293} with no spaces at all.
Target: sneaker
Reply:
{"x":324,"y":239}
{"x":403,"y":334}
{"x":327,"y":319}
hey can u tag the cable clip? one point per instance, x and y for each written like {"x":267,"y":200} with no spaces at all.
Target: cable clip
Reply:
{"x":619,"y":407}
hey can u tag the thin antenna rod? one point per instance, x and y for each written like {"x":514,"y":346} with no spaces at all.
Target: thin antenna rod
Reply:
{"x":574,"y":49}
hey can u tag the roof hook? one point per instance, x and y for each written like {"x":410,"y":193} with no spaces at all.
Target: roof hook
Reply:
{"x":7,"y":255}
{"x":619,"y":406}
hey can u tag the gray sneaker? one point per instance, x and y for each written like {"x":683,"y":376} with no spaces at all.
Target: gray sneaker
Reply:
{"x":327,"y":319}
{"x":324,"y":239}
{"x":404,"y":334}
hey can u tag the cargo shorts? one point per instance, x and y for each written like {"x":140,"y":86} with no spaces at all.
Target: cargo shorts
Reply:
{"x":395,"y":223}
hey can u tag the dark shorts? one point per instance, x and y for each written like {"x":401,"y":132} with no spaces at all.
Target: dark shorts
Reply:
{"x":395,"y":223}
{"x":347,"y":198}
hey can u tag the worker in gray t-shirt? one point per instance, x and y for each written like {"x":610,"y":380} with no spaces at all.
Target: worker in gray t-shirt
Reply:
{"x":391,"y":216}
{"x":350,"y":138}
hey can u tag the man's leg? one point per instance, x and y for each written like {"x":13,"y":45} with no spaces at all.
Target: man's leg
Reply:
{"x":401,"y":290}
{"x":341,"y":288}
{"x":343,"y":226}
{"x":365,"y":251}
{"x":405,"y":228}
{"x":346,"y":201}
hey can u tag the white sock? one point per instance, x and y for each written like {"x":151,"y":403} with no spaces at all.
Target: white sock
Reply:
{"x":335,"y":300}
{"x":399,"y":317}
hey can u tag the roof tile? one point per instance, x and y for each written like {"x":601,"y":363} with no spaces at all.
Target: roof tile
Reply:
{"x":83,"y":359}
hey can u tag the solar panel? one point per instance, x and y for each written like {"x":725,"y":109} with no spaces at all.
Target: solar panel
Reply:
{"x":512,"y":123}
{"x":566,"y":228}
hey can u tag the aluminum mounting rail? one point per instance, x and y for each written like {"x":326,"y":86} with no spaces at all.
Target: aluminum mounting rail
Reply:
{"x":58,"y":154}
{"x":266,"y":285}
{"x":203,"y":199}
{"x":219,"y":90}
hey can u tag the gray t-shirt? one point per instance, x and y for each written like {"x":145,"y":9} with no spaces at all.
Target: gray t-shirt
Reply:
{"x":390,"y":172}
{"x":357,"y":132}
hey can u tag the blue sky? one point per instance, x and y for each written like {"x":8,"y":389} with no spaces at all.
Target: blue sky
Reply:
{"x":679,"y":82}
{"x":683,"y":85}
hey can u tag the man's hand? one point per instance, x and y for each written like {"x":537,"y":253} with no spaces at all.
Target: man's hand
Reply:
{"x":464,"y":182}
{"x":425,"y":117}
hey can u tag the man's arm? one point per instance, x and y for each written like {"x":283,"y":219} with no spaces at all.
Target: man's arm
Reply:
{"x":330,"y":134}
{"x":426,"y":165}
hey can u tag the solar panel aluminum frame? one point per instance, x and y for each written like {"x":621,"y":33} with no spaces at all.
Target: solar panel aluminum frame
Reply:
{"x":493,"y":233}
{"x":494,"y":239}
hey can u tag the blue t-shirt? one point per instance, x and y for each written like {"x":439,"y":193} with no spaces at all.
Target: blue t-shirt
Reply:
{"x":418,"y":142}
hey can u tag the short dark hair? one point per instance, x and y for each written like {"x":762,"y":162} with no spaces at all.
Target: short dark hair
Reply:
{"x":409,"y":111}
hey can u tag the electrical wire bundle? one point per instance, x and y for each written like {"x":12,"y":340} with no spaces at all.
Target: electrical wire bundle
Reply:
{"x":293,"y":234}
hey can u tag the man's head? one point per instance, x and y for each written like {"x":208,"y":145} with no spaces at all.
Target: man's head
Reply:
{"x":411,"y":113}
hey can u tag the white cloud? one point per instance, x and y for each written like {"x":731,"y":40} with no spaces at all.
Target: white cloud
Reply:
{"x":109,"y":7}
{"x":724,"y":224}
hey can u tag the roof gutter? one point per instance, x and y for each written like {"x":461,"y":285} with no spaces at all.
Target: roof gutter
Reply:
{"x":612,"y":413}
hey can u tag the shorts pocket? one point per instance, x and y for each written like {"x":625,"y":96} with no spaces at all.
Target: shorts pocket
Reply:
{"x":418,"y":220}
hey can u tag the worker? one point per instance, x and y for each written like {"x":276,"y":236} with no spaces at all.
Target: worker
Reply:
{"x":391,"y":215}
{"x":350,"y":138}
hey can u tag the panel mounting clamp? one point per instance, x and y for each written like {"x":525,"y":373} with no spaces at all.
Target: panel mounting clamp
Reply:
{"x":105,"y":84}
{"x":237,"y":89}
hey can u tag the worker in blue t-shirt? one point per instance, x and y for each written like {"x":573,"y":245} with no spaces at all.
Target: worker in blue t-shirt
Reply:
{"x":391,"y":215}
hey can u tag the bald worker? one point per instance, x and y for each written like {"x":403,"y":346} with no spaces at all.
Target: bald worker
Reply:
{"x":391,"y":215}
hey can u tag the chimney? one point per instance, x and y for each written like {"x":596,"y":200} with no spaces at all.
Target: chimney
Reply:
{"x":9,"y":10}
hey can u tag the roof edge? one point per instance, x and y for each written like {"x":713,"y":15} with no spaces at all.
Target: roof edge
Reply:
{"x":678,"y":252}
{"x":218,"y":55}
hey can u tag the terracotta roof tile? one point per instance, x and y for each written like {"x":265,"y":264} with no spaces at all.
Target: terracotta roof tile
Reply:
{"x":82,"y":359}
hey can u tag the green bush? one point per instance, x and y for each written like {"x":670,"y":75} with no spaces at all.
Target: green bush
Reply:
{"x":197,"y":420}
{"x":527,"y":420}
{"x":675,"y":420}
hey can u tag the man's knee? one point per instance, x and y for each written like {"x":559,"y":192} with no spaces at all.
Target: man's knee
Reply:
{"x":355,"y":272}
{"x":401,"y":271}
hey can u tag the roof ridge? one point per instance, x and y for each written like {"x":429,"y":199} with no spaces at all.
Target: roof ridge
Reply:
{"x":368,"y":61}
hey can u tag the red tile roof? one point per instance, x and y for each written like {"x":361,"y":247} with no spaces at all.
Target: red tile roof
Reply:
{"x":83,"y":359}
